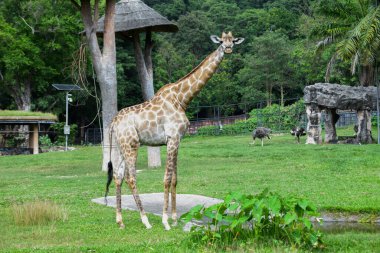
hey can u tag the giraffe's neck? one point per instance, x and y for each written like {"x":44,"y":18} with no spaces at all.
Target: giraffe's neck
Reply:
{"x":190,"y":85}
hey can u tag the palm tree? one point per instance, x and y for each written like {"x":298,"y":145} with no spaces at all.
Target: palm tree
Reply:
{"x":354,"y":27}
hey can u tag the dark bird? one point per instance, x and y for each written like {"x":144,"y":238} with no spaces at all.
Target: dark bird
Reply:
{"x":261,"y":133}
{"x":297,"y":132}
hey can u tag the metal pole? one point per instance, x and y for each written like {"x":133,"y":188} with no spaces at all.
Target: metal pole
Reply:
{"x":378,"y":116}
{"x":67,"y":117}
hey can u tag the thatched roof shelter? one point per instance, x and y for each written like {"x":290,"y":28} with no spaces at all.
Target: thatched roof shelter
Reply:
{"x":135,"y":15}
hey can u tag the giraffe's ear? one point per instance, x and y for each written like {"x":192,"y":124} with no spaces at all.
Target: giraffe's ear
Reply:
{"x":215,"y":39}
{"x":237,"y":41}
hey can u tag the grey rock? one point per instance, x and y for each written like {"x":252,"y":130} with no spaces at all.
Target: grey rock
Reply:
{"x":341,"y":97}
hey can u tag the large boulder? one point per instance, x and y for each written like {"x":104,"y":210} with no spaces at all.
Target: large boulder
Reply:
{"x":341,"y":97}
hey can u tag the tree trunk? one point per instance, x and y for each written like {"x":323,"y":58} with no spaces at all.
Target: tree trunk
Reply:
{"x":104,"y":65}
{"x":145,"y":72}
{"x":364,"y":135}
{"x":282,"y":94}
{"x":22,"y":95}
{"x":367,"y":75}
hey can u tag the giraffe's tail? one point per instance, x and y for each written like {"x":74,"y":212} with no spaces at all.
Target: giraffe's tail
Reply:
{"x":110,"y":169}
{"x":109,"y":179}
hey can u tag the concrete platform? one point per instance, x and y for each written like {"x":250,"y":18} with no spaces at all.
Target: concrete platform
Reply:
{"x":154,"y":202}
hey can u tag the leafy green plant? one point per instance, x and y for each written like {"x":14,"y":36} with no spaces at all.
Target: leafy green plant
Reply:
{"x":275,"y":117}
{"x":58,"y":128}
{"x":45,"y":141}
{"x":263,"y":217}
{"x":374,"y":120}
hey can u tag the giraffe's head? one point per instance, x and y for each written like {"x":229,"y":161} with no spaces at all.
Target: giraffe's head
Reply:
{"x":227,"y":41}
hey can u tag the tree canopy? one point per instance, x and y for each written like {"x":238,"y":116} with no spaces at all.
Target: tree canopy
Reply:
{"x":40,"y":40}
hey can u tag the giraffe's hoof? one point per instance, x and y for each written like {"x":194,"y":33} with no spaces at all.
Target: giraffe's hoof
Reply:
{"x":175,"y":223}
{"x":167,"y":227}
{"x":145,"y":221}
{"x":121,"y":226}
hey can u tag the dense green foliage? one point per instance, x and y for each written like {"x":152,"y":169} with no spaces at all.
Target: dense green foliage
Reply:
{"x":263,"y":216}
{"x":61,"y":137}
{"x":334,"y":177}
{"x":277,"y":118}
{"x":39,"y":45}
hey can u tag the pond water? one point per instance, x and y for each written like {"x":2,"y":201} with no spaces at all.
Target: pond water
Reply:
{"x":337,"y":227}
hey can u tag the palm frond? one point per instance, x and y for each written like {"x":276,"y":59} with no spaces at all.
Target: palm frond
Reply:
{"x":347,"y":48}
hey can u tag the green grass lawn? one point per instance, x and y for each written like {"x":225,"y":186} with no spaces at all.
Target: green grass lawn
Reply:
{"x":335,"y":177}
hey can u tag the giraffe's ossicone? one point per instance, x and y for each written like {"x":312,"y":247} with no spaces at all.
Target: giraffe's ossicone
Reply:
{"x":160,"y":121}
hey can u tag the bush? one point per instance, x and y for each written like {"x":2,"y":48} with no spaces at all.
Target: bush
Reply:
{"x":61,"y":138}
{"x":374,"y":120}
{"x":274,"y":117}
{"x":263,"y":217}
{"x":208,"y":130}
{"x":278,"y":118}
{"x":45,"y":141}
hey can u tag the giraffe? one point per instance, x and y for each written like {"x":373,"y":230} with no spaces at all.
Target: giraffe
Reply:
{"x":159,"y":121}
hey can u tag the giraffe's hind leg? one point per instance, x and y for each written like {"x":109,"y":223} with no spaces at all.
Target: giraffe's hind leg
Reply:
{"x":118,"y":175}
{"x":119,"y":218}
{"x":170,"y":181}
{"x":130,"y":162}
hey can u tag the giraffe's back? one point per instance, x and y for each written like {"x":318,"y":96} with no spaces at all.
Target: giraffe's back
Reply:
{"x":151,"y":123}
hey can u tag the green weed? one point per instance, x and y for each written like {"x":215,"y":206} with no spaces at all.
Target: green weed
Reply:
{"x":37,"y":213}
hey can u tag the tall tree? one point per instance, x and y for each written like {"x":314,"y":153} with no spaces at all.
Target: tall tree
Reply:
{"x":36,"y":41}
{"x":104,"y":61}
{"x":268,"y":67}
{"x":353,"y":27}
{"x":145,"y":72}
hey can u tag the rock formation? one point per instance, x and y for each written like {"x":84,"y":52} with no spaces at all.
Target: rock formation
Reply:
{"x":331,"y":97}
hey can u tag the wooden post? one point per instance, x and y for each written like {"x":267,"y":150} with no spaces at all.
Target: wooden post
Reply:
{"x":33,"y":139}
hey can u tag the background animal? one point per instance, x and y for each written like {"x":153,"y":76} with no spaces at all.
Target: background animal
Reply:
{"x":261,"y":133}
{"x":297,"y":132}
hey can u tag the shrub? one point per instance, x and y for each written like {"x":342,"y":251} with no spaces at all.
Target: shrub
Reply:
{"x":239,"y":127}
{"x":208,"y":130}
{"x":37,"y":213}
{"x":263,"y":217}
{"x":274,"y":117}
{"x":374,"y":120}
{"x":45,"y":141}
{"x":278,"y":118}
{"x":61,"y":138}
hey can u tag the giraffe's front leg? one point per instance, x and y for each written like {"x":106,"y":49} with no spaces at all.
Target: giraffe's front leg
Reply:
{"x":170,"y":180}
